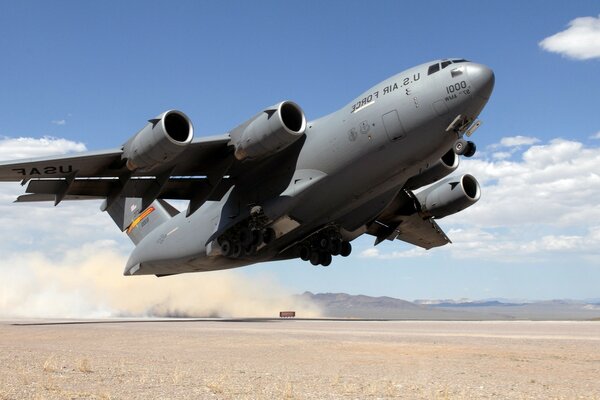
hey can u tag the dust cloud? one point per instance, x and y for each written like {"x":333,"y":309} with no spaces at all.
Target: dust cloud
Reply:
{"x":88,"y":283}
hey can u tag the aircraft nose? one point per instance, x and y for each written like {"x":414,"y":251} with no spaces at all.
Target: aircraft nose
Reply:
{"x":482,"y":79}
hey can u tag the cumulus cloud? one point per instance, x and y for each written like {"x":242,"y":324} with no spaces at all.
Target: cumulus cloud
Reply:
{"x":28,"y":147}
{"x":581,"y":40}
{"x":540,"y":203}
{"x":88,"y":282}
{"x":373,"y":252}
{"x":516,"y":141}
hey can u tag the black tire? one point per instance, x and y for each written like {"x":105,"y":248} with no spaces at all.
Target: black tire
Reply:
{"x":325,"y":259}
{"x":315,"y":258}
{"x":250,"y":250}
{"x":257,"y":237}
{"x":335,"y":246}
{"x":245,"y":236}
{"x":226,"y":248}
{"x":304,"y":253}
{"x":460,"y":147}
{"x":346,"y":249}
{"x":268,"y":235}
{"x":236,"y":250}
{"x":323,"y":243}
{"x":471,"y":149}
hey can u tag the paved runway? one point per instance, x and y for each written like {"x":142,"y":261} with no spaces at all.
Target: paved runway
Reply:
{"x":298,"y":359}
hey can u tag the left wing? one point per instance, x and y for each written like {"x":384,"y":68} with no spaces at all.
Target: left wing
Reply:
{"x":197,"y":175}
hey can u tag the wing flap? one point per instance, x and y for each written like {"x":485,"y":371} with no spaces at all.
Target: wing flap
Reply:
{"x":412,"y":229}
{"x":178,"y":188}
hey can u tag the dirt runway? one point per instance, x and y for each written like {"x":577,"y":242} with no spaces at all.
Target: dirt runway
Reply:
{"x":296,"y":359}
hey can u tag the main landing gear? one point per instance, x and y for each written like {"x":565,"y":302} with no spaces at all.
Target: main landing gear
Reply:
{"x":465,"y":148}
{"x":244,"y":241}
{"x":320,"y":248}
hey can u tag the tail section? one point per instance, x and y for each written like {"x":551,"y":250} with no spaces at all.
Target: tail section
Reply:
{"x":129,"y":216}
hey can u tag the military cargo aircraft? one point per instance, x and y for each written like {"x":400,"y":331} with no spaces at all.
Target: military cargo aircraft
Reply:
{"x":278,"y":186}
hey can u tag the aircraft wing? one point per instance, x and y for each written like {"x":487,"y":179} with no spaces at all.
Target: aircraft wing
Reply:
{"x":401,"y":221}
{"x":196,"y":174}
{"x":412,"y":229}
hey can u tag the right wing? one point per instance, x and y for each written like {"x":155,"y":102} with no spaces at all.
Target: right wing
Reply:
{"x":400,"y":221}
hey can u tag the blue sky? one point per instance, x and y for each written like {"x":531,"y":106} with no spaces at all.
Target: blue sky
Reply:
{"x":91,"y":73}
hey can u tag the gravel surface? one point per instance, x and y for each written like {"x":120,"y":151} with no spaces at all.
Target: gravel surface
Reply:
{"x":296,"y":359}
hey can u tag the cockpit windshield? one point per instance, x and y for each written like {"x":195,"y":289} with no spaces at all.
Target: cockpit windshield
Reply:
{"x":436,"y":67}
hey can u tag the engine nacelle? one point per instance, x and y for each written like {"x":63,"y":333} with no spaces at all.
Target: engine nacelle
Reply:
{"x":162,"y":140}
{"x":270,"y":131}
{"x":449,"y":196}
{"x":443,"y":167}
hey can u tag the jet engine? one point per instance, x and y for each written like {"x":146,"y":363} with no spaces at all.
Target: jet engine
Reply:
{"x":449,"y":196}
{"x":270,"y":131}
{"x":443,"y":167}
{"x":160,"y":141}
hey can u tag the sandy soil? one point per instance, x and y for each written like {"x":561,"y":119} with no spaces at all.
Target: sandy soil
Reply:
{"x":301,"y":360}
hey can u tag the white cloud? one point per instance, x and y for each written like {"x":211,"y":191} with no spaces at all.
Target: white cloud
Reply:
{"x":515,"y":141}
{"x":59,"y":121}
{"x":539,"y":204}
{"x":581,"y":40}
{"x":501,"y":155}
{"x":595,"y":135}
{"x":27,"y":147}
{"x":373,"y":252}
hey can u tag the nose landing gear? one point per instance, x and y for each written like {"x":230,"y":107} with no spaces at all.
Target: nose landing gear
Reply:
{"x":465,"y":148}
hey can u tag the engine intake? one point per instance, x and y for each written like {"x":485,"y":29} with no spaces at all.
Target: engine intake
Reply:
{"x":449,"y":196}
{"x":270,"y":131}
{"x":160,"y":141}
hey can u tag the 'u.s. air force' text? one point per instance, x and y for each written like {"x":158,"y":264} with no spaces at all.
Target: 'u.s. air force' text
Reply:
{"x":386,"y":90}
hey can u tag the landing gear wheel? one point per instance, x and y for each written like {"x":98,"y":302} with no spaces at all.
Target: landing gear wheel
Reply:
{"x":305,"y":253}
{"x":315,"y":258}
{"x":250,"y":250}
{"x":268,"y":235}
{"x":325,"y":259}
{"x":460,"y":147}
{"x":471,"y":149}
{"x":257,"y":237}
{"x":226,"y":248}
{"x":346,"y":249}
{"x":335,"y":246}
{"x":245,"y":236}
{"x":323,"y":243}
{"x":236,"y":250}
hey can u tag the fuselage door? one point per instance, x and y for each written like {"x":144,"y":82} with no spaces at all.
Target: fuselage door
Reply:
{"x":393,"y":126}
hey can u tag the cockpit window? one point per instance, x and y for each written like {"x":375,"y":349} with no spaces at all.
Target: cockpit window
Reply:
{"x":433,"y":69}
{"x":459,"y":61}
{"x":445,"y":64}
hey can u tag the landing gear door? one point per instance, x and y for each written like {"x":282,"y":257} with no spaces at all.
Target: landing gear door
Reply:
{"x":393,"y":126}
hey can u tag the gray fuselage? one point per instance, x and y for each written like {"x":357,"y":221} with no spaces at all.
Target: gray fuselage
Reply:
{"x":346,"y":169}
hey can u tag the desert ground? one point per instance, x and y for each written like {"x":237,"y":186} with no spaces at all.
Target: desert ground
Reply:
{"x":299,"y":359}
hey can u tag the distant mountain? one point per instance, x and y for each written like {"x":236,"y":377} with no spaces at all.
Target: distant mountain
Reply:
{"x":343,"y":305}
